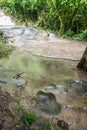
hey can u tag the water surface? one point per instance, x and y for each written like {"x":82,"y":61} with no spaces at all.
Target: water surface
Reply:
{"x":55,"y":76}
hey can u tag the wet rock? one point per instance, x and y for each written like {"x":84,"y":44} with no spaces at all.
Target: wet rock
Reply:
{"x":44,"y":96}
{"x":78,"y":87}
{"x":30,"y":31}
{"x":61,"y":89}
{"x":62,"y":124}
{"x":17,"y":82}
{"x":47,"y":103}
{"x":13,"y":33}
{"x":50,"y":87}
{"x":51,"y":36}
{"x":20,"y":83}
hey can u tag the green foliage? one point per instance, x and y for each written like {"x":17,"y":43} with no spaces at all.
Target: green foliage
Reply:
{"x":24,"y":117}
{"x":64,"y":16}
{"x":69,"y":33}
{"x":5,"y":50}
{"x":1,"y":34}
{"x":28,"y":118}
{"x":84,"y":100}
{"x":46,"y":126}
{"x":82,"y":35}
{"x":19,"y":106}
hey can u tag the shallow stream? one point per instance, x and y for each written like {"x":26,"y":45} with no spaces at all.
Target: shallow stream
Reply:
{"x":60,"y":88}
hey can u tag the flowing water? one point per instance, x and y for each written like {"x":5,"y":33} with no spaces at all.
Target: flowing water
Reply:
{"x":60,"y":87}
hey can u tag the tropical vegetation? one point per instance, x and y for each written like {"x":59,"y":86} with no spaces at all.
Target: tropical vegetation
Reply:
{"x":5,"y":49}
{"x":65,"y":17}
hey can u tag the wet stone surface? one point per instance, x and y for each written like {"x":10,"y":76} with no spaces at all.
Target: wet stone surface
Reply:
{"x":11,"y":77}
{"x":47,"y":103}
{"x":78,"y":87}
{"x":51,"y":86}
{"x":17,"y":82}
{"x":14,"y":32}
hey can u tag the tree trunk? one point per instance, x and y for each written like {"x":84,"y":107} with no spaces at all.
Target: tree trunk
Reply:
{"x":83,"y":62}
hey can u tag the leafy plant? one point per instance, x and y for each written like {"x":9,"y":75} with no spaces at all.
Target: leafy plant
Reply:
{"x":46,"y":126}
{"x":24,"y":117}
{"x":1,"y":34}
{"x":63,"y":16}
{"x":20,"y":107}
{"x":69,"y":33}
{"x":28,"y":118}
{"x":5,"y":50}
{"x":84,"y":100}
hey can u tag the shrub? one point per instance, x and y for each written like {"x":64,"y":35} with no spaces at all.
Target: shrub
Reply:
{"x":28,"y":118}
{"x":58,"y":15}
{"x":5,"y":50}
